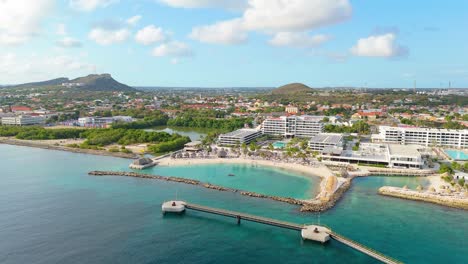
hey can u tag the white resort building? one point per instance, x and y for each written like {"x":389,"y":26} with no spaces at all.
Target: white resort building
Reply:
{"x":320,"y":141}
{"x":391,"y":155}
{"x":238,"y":137}
{"x":23,"y":120}
{"x":423,"y":136}
{"x":293,"y":126}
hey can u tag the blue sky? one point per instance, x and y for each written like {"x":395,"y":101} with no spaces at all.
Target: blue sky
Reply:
{"x":222,"y":43}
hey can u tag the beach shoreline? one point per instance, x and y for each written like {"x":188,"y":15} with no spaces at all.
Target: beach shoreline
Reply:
{"x":41,"y":145}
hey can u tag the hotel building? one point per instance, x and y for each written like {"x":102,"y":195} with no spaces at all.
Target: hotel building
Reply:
{"x":23,"y":120}
{"x":293,"y":126}
{"x":238,"y":137}
{"x":320,"y":141}
{"x":423,"y":136}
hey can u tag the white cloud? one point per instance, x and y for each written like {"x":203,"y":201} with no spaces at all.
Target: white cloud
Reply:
{"x":225,"y":32}
{"x":68,"y":42}
{"x":90,"y":5}
{"x":276,"y":16}
{"x":172,"y":49}
{"x":298,"y":39}
{"x":149,"y":35}
{"x":226,"y":4}
{"x":61,"y":30}
{"x":20,"y":19}
{"x":295,"y":15}
{"x":133,"y":20}
{"x":20,"y":69}
{"x":106,"y":36}
{"x":378,"y":46}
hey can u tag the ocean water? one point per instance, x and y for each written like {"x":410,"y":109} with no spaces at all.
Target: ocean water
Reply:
{"x":51,"y":211}
{"x":260,"y":179}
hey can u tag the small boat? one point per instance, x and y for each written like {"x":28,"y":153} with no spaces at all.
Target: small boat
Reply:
{"x":230,"y":174}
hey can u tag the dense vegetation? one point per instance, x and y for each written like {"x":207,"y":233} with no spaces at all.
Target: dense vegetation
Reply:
{"x":98,"y":138}
{"x":208,"y":119}
{"x":360,"y":127}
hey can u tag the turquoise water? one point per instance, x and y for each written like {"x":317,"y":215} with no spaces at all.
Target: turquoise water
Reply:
{"x":51,"y":211}
{"x":456,"y":154}
{"x":279,"y":144}
{"x":264,"y":180}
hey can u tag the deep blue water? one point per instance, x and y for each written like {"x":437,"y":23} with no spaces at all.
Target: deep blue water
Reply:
{"x":51,"y":211}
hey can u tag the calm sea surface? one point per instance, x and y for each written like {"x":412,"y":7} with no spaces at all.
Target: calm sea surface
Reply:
{"x":51,"y":211}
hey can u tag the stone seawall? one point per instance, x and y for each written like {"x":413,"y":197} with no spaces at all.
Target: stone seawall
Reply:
{"x":315,"y":205}
{"x":447,"y":200}
{"x":27,"y":143}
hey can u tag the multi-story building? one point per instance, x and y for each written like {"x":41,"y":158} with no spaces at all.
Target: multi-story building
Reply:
{"x":423,"y":136}
{"x":293,"y":126}
{"x":102,"y":121}
{"x":238,"y":137}
{"x":23,"y":120}
{"x":320,"y":141}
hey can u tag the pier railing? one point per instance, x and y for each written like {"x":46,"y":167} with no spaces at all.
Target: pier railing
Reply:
{"x":364,"y":249}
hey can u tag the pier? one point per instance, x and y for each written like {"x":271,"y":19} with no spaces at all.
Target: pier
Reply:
{"x":308,"y":232}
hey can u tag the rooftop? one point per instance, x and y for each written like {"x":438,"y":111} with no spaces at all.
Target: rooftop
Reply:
{"x":327,"y":138}
{"x":241,"y":133}
{"x":403,"y":150}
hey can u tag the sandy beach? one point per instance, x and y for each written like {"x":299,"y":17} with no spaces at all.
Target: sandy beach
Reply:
{"x":320,"y":171}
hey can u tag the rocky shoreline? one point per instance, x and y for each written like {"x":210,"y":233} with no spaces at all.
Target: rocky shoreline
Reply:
{"x":62,"y":148}
{"x":316,"y":205}
{"x":446,"y":200}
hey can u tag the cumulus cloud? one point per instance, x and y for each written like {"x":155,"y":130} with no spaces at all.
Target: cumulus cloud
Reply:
{"x":379,"y":46}
{"x":295,"y":15}
{"x":150,"y":35}
{"x":107,"y":36}
{"x":20,"y":19}
{"x":172,"y":49}
{"x":133,"y":20}
{"x":277,"y":17}
{"x":18,"y":69}
{"x":298,"y":39}
{"x":90,"y":5}
{"x":226,"y":4}
{"x":225,"y":32}
{"x":68,"y":42}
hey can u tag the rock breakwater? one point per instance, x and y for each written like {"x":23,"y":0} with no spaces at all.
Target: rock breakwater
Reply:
{"x":315,"y":205}
{"x":436,"y":198}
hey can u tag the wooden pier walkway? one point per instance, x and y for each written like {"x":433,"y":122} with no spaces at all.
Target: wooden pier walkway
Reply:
{"x":268,"y":221}
{"x":247,"y":217}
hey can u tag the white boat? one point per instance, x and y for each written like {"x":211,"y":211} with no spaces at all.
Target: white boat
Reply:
{"x":173,"y":207}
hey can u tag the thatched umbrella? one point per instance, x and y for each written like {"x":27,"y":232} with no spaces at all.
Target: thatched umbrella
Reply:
{"x":419,"y":188}
{"x":222,"y":154}
{"x":186,"y":155}
{"x":194,"y":155}
{"x":179,"y":155}
{"x":432,"y":189}
{"x":405,"y":187}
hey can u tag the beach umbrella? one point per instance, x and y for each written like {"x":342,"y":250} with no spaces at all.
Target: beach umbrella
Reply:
{"x":432,"y":189}
{"x":419,"y":188}
{"x":405,"y":187}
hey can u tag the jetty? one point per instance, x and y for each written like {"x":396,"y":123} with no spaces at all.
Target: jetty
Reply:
{"x":308,"y":232}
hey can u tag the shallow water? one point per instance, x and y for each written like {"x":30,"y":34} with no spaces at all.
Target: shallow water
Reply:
{"x":51,"y":211}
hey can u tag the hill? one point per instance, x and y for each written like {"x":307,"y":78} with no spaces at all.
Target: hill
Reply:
{"x":292,"y":88}
{"x":100,"y":82}
{"x":52,"y":82}
{"x":92,"y":82}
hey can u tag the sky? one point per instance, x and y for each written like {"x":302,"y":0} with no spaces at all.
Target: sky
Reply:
{"x":237,"y":43}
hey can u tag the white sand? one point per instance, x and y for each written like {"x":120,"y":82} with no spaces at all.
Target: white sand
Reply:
{"x":321,"y":171}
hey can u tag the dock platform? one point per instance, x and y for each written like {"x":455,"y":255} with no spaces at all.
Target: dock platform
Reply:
{"x":309,"y":232}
